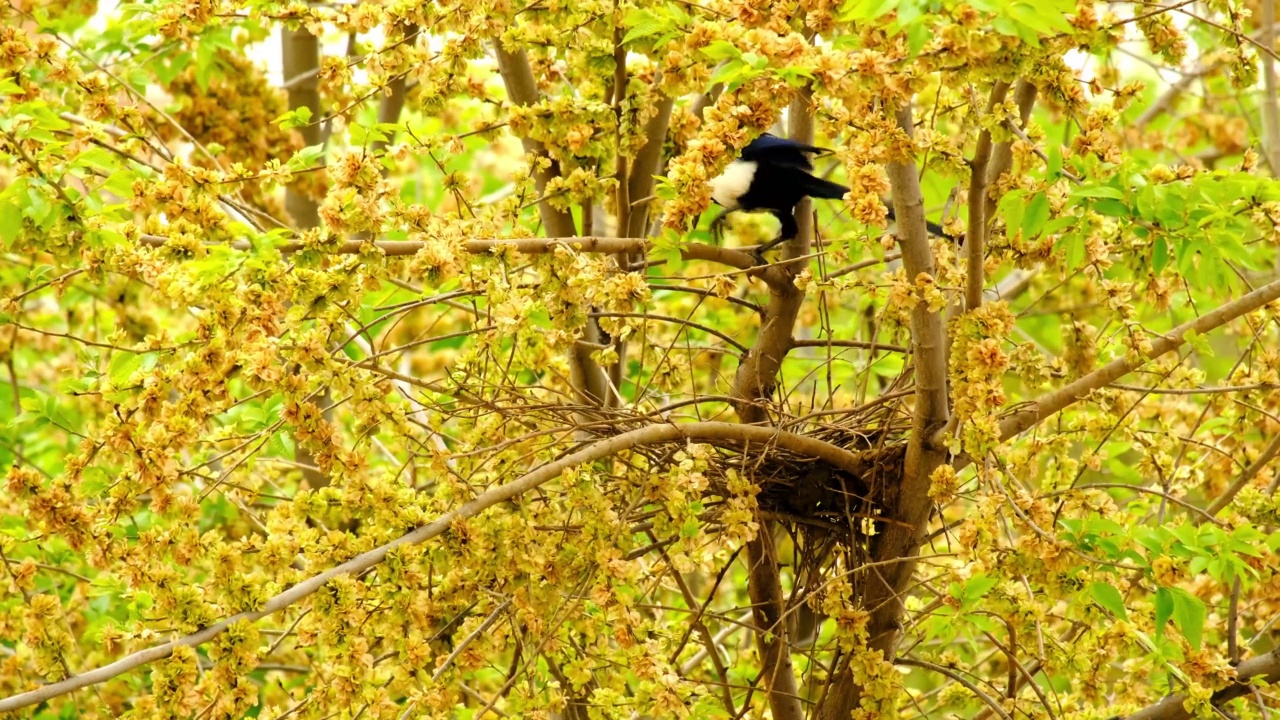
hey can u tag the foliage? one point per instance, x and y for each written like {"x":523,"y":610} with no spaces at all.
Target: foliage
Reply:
{"x":257,"y":327}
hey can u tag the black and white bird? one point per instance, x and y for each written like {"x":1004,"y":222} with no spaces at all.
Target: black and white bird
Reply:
{"x":772,"y":174}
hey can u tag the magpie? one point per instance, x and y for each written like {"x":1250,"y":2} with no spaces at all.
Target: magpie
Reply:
{"x":772,"y":174}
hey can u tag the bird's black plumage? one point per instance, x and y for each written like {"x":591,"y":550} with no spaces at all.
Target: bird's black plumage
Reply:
{"x":773,"y":174}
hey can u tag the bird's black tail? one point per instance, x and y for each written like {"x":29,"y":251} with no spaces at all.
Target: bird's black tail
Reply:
{"x":934,"y":228}
{"x":816,"y":187}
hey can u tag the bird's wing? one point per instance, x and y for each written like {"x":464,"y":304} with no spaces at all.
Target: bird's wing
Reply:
{"x":781,"y":151}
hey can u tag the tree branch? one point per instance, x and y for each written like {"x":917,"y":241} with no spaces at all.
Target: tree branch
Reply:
{"x":975,"y":239}
{"x":753,"y":383}
{"x":1270,"y":111}
{"x":1246,"y":476}
{"x":770,"y":274}
{"x":647,"y":164}
{"x":392,"y":103}
{"x":907,"y":506}
{"x":521,"y":88}
{"x":301,"y":56}
{"x":1024,"y":96}
{"x":1171,"y":708}
{"x":1022,"y":420}
{"x":991,"y":702}
{"x":648,"y":435}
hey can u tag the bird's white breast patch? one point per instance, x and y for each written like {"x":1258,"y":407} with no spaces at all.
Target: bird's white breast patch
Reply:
{"x":733,"y":184}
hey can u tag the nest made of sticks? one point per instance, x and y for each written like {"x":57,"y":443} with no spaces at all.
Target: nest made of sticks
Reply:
{"x":827,"y":510}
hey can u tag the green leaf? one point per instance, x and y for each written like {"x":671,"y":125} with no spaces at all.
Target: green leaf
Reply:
{"x":721,"y":50}
{"x":727,"y":72}
{"x":1014,"y":208}
{"x":755,"y":60}
{"x":974,"y":589}
{"x":868,"y":9}
{"x":1054,"y":167}
{"x":1164,"y":609}
{"x":306,"y":157}
{"x":108,"y":585}
{"x":1159,"y":254}
{"x":909,"y":11}
{"x":643,"y":23}
{"x":1037,"y":215}
{"x":1111,"y":208}
{"x":1072,"y":246}
{"x":1109,"y":598}
{"x":10,"y":221}
{"x":1098,"y":191}
{"x":295,"y":118}
{"x":887,"y":366}
{"x":1198,"y":564}
{"x":122,"y":367}
{"x":1040,"y":18}
{"x":1188,"y":615}
{"x":917,"y":35}
{"x":1005,"y":26}
{"x":94,"y":481}
{"x":124,"y":364}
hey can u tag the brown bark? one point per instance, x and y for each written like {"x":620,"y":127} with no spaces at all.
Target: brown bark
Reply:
{"x":975,"y":239}
{"x":1266,"y":667}
{"x":647,"y":164}
{"x":301,"y":59}
{"x":1024,"y":96}
{"x":907,"y":506}
{"x":754,"y":383}
{"x":589,"y":380}
{"x":517,"y":76}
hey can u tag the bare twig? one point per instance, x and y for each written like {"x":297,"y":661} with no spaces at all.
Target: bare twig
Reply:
{"x":957,"y":677}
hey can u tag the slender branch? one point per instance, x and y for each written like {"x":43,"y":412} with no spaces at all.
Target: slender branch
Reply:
{"x":649,"y":435}
{"x":772,"y":275}
{"x":1270,"y":111}
{"x":301,"y":54}
{"x":1266,"y":667}
{"x":1246,"y":476}
{"x":1195,"y":391}
{"x":301,"y":58}
{"x":647,"y":164}
{"x":678,"y":321}
{"x":622,"y":197}
{"x":957,"y":677}
{"x":1035,"y":412}
{"x":754,"y":382}
{"x":480,"y":629}
{"x":859,"y":344}
{"x":392,"y":103}
{"x":1024,"y":96}
{"x":699,"y":626}
{"x":523,"y":90}
{"x":907,"y":505}
{"x":586,"y":376}
{"x":768,"y":609}
{"x":975,"y":239}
